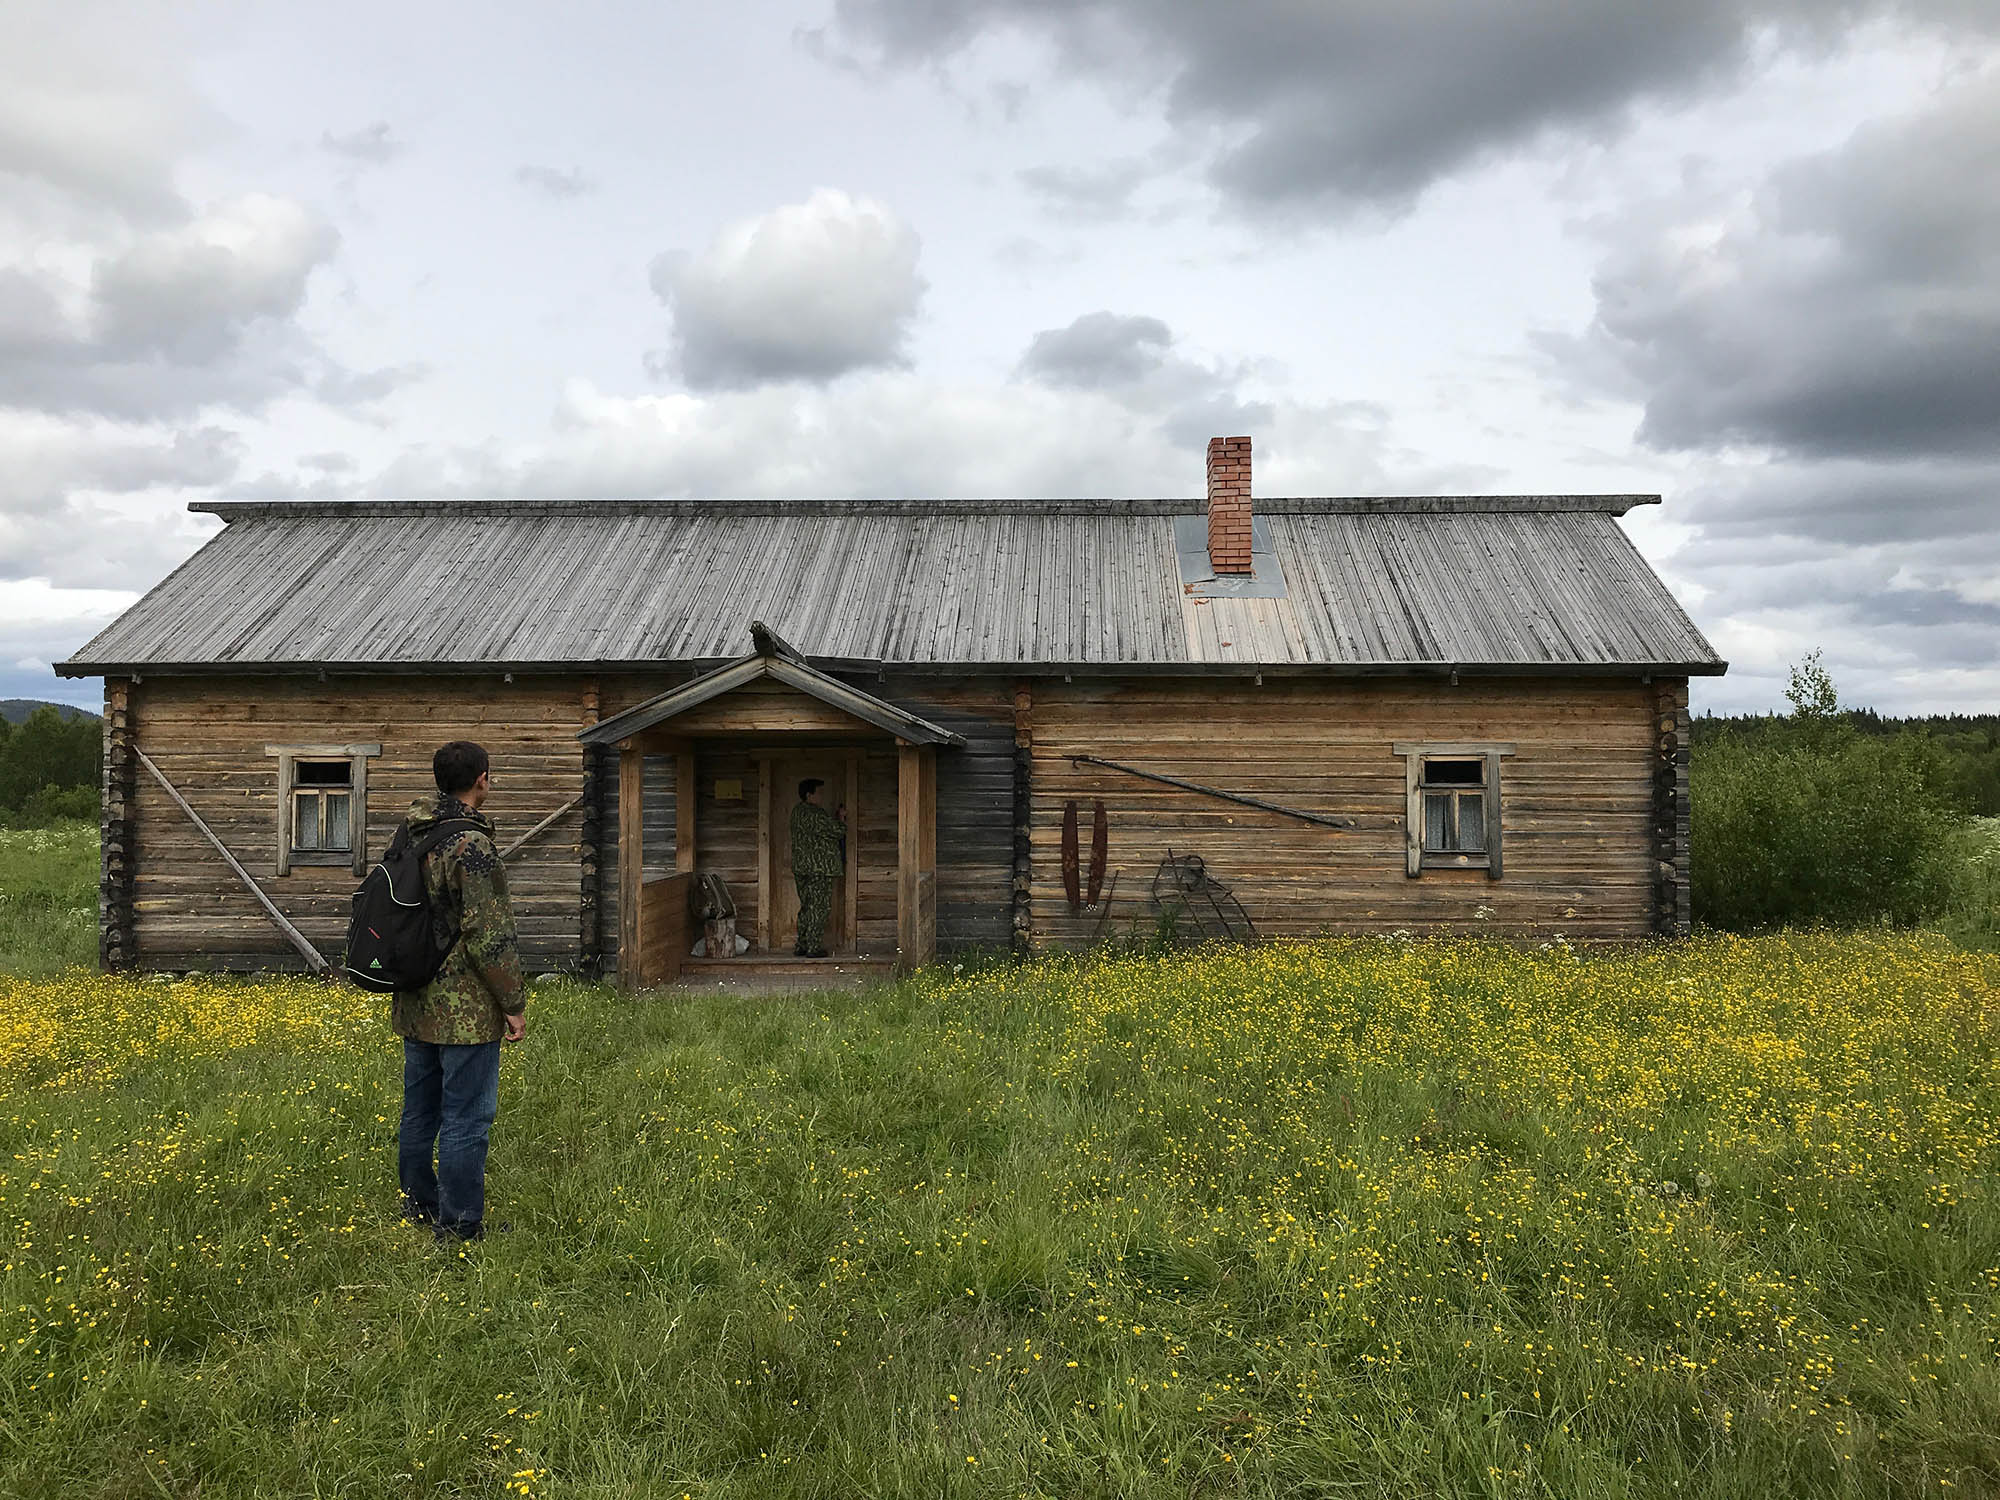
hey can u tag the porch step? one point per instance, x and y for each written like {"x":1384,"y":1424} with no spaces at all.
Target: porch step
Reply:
{"x":753,"y":973}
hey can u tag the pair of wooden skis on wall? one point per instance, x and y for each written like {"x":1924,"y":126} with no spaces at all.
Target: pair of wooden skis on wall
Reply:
{"x":1071,"y":855}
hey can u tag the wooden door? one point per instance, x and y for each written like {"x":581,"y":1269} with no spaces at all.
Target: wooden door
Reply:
{"x":787,"y":771}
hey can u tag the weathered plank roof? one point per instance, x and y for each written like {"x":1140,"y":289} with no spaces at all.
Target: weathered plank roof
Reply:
{"x":1370,"y":584}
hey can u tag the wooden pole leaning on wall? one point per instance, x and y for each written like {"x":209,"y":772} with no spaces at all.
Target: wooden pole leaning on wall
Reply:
{"x":312,"y":955}
{"x":542,"y":827}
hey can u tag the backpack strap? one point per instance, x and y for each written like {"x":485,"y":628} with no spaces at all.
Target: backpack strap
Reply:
{"x":437,"y":835}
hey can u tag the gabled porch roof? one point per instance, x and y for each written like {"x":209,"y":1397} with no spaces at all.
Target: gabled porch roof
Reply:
{"x":774,"y":659}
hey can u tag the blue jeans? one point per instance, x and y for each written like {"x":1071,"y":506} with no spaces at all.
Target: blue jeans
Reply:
{"x":450,"y":1096}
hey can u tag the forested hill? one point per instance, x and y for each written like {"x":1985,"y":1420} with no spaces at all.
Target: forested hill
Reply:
{"x":16,"y":710}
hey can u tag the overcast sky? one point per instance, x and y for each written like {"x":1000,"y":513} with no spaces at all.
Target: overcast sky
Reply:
{"x":1743,"y":253}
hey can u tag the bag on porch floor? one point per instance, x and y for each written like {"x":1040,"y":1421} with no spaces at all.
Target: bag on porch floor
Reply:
{"x":391,"y":941}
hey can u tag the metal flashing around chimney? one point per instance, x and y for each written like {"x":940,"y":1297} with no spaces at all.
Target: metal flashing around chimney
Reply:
{"x":1265,"y":580}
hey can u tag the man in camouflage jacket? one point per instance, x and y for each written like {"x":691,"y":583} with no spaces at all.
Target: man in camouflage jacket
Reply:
{"x":452,"y":1028}
{"x":819,"y":854}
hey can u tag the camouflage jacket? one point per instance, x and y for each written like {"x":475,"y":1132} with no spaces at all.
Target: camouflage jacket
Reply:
{"x":818,"y":841}
{"x":480,"y":982}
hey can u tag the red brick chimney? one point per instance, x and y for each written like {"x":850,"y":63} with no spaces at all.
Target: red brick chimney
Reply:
{"x":1229,"y":504}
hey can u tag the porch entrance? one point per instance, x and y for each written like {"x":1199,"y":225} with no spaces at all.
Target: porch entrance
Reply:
{"x":741,"y":739}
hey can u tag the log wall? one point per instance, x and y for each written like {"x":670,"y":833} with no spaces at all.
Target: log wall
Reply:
{"x":1578,"y":802}
{"x":207,"y":734}
{"x":1594,"y":805}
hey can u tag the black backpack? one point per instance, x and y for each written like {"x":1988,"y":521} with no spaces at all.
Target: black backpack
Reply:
{"x":391,"y":941}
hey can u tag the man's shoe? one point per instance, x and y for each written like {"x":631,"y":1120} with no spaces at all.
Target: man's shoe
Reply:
{"x":463,"y":1234}
{"x":419,"y":1213}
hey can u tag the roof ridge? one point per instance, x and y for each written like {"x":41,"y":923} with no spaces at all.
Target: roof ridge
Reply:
{"x":383,"y":509}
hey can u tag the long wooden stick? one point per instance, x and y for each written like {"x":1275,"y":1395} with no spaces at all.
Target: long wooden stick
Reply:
{"x":298,"y":939}
{"x":522,"y":842}
{"x":1209,"y":791}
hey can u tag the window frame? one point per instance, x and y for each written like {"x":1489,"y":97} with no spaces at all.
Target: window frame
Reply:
{"x":355,"y":856}
{"x":1417,"y":858}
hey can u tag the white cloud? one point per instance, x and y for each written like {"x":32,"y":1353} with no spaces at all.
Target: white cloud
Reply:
{"x":892,"y":435}
{"x":809,"y":292}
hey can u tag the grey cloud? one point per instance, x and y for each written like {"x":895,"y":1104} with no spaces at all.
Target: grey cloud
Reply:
{"x":175,"y":320}
{"x":810,"y":291}
{"x":1848,"y":502}
{"x":1826,"y":347}
{"x":555,"y":181}
{"x":1094,"y":192}
{"x":42,"y":463}
{"x":1098,"y":349}
{"x":371,"y":146}
{"x":1851,"y":309}
{"x":1345,"y":102}
{"x":1132,"y":359}
{"x":1893,"y":568}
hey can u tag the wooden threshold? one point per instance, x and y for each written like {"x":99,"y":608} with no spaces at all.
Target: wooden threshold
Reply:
{"x":754,"y":975}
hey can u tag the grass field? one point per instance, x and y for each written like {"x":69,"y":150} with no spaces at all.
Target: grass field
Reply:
{"x":1375,"y":1217}
{"x":48,"y":898}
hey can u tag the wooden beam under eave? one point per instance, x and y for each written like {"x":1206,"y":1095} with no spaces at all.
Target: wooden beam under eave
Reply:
{"x":631,"y":858}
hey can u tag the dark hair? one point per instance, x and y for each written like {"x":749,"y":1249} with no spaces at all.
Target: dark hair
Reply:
{"x":457,"y":765}
{"x":810,"y":785}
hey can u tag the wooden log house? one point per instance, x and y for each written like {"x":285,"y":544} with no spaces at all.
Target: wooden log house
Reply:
{"x":1440,"y":713}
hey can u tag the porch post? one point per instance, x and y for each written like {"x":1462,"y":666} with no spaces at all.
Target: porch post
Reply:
{"x":684,"y":811}
{"x":631,"y":858}
{"x":916,"y":855}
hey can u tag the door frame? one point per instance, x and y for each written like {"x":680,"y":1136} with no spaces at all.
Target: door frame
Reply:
{"x":773,"y":828}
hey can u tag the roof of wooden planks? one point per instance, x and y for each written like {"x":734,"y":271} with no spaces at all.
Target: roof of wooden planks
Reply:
{"x":1525,"y":583}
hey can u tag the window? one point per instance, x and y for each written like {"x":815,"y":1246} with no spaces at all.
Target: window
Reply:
{"x":322,"y":798}
{"x":1452,"y":816}
{"x":1454,"y":806}
{"x":322,"y":805}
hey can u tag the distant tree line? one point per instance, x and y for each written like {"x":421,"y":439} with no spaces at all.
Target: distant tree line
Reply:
{"x":49,"y":767}
{"x":1967,"y":744}
{"x":1837,"y":816}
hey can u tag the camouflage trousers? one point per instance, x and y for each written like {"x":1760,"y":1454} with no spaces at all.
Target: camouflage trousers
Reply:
{"x":815,"y":906}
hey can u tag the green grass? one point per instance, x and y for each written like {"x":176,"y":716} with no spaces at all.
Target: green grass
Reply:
{"x":48,"y":898}
{"x":1974,"y":918}
{"x":1713,"y":1219}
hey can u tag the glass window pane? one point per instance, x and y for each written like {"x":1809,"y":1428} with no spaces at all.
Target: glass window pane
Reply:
{"x":305,"y":820}
{"x":1437,"y":821}
{"x":336,"y":821}
{"x":1454,"y":772}
{"x":323,"y":773}
{"x":1472,"y":822}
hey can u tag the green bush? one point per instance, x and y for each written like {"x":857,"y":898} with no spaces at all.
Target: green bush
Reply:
{"x":1807,"y":822}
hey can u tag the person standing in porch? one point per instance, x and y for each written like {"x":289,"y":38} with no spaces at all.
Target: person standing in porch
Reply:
{"x":819,"y":854}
